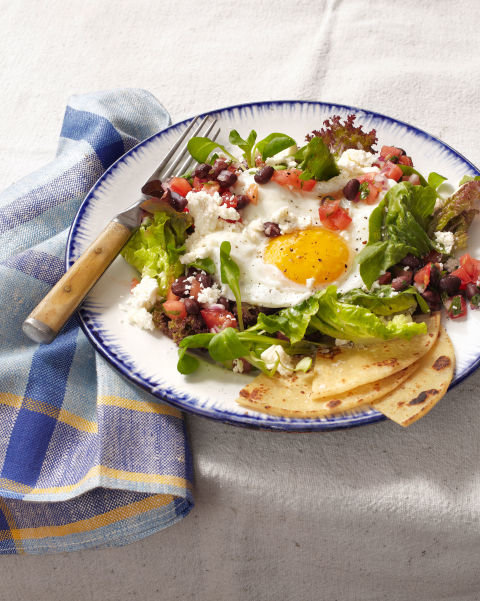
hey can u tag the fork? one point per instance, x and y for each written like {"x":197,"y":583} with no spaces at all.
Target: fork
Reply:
{"x":52,"y":312}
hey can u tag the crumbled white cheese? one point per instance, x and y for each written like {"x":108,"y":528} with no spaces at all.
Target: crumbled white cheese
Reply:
{"x":446,"y":240}
{"x":237,"y":366}
{"x":288,"y":221}
{"x":209,"y":216}
{"x":353,"y":160}
{"x":141,"y":299}
{"x":209,"y":295}
{"x":340,"y":342}
{"x":275,"y":354}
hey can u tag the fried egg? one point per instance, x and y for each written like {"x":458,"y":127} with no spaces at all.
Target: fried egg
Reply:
{"x":286,"y":269}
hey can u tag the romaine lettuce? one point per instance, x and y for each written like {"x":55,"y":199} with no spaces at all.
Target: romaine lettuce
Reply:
{"x":154,"y":249}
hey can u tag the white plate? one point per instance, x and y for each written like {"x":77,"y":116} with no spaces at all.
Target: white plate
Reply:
{"x":149,"y":359}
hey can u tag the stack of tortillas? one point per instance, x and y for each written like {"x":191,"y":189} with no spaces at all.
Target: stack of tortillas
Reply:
{"x":403,"y":379}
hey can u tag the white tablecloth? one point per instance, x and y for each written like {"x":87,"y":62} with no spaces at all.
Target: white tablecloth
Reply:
{"x":369,"y":514}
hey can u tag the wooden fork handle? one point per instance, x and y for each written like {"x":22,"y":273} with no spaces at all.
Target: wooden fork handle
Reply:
{"x":49,"y":316}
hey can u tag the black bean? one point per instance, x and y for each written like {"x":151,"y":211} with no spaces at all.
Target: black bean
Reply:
{"x":242,"y":201}
{"x":471,"y":290}
{"x":271,"y":230}
{"x":176,"y":201}
{"x":264,"y":174}
{"x":433,"y":299}
{"x":181,"y":287}
{"x":203,"y":170}
{"x":192,"y":306}
{"x":205,"y":279}
{"x":226,"y":178}
{"x":223,"y":300}
{"x":401,"y":282}
{"x":219,"y":166}
{"x":411,"y":261}
{"x":450,"y":284}
{"x":153,"y":188}
{"x":351,"y":189}
{"x":386,"y":278}
{"x":434,"y":277}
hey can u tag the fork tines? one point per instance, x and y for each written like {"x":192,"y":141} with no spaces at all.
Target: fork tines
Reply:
{"x":178,"y":154}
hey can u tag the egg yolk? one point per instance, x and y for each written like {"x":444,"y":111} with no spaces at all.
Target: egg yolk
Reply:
{"x":312,"y":253}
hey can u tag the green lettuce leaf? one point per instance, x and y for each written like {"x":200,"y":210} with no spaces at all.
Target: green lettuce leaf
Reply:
{"x":155,"y":248}
{"x":385,"y":301}
{"x":358,"y":324}
{"x":396,"y":228}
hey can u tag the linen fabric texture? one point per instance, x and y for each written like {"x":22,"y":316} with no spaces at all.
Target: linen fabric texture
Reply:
{"x":86,"y":458}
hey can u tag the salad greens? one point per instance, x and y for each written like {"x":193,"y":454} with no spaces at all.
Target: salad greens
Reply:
{"x":206,"y":265}
{"x":155,"y":248}
{"x":385,"y":301}
{"x":457,"y":212}
{"x":397,"y":227}
{"x":316,"y":161}
{"x":325,"y":312}
{"x":230,"y":274}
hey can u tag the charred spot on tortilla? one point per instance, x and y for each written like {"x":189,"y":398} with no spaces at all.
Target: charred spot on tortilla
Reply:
{"x":386,"y":362}
{"x":334,"y":403}
{"x":441,"y":363}
{"x":423,"y":396}
{"x":244,"y":393}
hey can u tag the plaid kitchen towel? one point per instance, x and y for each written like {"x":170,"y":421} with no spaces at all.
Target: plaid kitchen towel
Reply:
{"x":86,"y":459}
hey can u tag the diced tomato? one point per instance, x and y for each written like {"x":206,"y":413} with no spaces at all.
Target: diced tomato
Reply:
{"x":134,"y":283}
{"x":469,"y":270}
{"x":456,"y":306}
{"x":198,"y":183}
{"x":404,"y":160}
{"x":369,"y":189}
{"x":252,"y":193}
{"x":175,"y":309}
{"x":171,"y":296}
{"x":179,"y":185}
{"x":308,"y":185}
{"x":392,"y":171}
{"x":388,"y":152}
{"x":195,"y":288}
{"x":333,"y":216}
{"x":229,"y":199}
{"x":422,"y":277}
{"x":288,"y":177}
{"x":218,"y":319}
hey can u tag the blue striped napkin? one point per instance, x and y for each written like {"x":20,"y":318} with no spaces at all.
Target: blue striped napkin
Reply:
{"x":86,"y":458}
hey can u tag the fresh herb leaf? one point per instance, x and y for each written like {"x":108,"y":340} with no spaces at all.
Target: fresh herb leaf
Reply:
{"x":206,"y":265}
{"x":202,"y":148}
{"x":246,"y":145}
{"x":469,"y":178}
{"x":364,"y":190}
{"x":435,"y":179}
{"x":186,"y":363}
{"x":196,"y":341}
{"x":230,"y":274}
{"x":273,"y":144}
{"x":226,"y":345}
{"x":316,"y":161}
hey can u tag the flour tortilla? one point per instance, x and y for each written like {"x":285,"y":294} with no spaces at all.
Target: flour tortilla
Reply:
{"x":412,"y":399}
{"x":349,"y":367}
{"x":292,"y":396}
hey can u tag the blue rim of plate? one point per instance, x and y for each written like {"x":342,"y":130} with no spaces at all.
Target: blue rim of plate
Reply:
{"x":187,"y":403}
